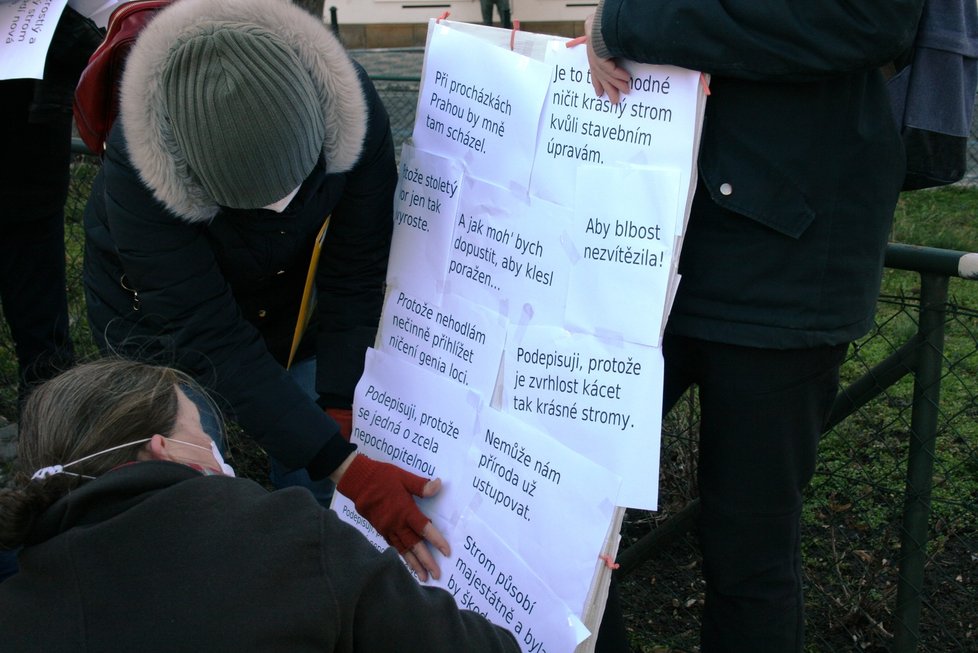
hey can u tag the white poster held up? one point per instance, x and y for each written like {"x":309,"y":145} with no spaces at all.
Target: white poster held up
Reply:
{"x":624,"y":248}
{"x":418,"y":420}
{"x":508,"y":253}
{"x":580,"y":373}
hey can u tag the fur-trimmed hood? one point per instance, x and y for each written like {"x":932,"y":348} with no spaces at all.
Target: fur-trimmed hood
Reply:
{"x":152,"y":147}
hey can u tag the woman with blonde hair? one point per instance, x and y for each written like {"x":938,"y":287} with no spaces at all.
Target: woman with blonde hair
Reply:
{"x":136,"y":536}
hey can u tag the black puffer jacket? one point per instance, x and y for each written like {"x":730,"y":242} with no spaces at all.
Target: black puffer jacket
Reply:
{"x":172,"y":277}
{"x":152,"y":556}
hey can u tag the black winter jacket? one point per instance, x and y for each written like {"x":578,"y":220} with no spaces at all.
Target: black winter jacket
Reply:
{"x":800,"y":163}
{"x":173,"y":278}
{"x":153,"y":556}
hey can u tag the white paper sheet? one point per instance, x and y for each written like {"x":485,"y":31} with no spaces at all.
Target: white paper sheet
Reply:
{"x":654,"y":124}
{"x":624,"y":239}
{"x":421,"y":421}
{"x":458,"y":339}
{"x":601,"y":398}
{"x":480,"y":104}
{"x":553,"y":504}
{"x":28,"y":28}
{"x":486,"y":575}
{"x":508,"y":253}
{"x":425,"y":202}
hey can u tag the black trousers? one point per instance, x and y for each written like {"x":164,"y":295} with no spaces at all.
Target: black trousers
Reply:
{"x":32,"y":292}
{"x":33,"y":185}
{"x":762,"y":412}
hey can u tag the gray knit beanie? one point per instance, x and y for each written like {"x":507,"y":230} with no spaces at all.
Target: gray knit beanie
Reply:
{"x":244,"y":112}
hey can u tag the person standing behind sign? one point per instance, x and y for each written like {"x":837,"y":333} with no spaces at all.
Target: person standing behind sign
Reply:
{"x":504,"y":15}
{"x":243,"y":124}
{"x":800,"y":166}
{"x":35,"y":129}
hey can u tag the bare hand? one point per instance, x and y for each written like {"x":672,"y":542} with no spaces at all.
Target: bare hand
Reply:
{"x":419,"y":557}
{"x":607,"y":77}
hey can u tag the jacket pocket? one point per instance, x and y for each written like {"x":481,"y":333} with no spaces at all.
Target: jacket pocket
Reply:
{"x":757,"y":189}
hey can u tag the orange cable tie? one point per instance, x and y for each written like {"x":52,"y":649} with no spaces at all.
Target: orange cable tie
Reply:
{"x":609,"y":562}
{"x":704,"y":84}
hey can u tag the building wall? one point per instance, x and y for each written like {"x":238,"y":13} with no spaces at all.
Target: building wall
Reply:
{"x":400,"y":35}
{"x":403,"y":23}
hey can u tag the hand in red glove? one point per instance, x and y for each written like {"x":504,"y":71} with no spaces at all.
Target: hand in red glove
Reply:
{"x":383,"y":493}
{"x":343,"y":417}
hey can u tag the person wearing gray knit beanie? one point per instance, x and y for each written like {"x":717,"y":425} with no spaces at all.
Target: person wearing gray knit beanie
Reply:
{"x":243,"y":125}
{"x":244,"y":113}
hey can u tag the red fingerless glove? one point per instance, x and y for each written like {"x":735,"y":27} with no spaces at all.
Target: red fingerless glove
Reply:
{"x":343,"y":417}
{"x":382,"y":493}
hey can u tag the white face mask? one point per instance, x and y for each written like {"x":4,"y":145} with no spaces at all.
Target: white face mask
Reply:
{"x":281,"y":205}
{"x":224,"y":468}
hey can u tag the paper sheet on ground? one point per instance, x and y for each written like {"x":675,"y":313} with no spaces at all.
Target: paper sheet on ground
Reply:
{"x":599,"y":397}
{"x":458,"y":339}
{"x":28,"y":27}
{"x":480,"y":104}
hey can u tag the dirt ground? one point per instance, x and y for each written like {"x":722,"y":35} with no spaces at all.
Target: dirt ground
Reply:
{"x":848,"y":608}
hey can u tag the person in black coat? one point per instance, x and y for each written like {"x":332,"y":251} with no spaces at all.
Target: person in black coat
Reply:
{"x":243,"y":125}
{"x":136,"y":538}
{"x":35,"y":128}
{"x":800,"y":166}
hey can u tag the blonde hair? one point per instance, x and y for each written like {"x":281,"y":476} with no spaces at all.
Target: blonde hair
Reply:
{"x":85,"y":410}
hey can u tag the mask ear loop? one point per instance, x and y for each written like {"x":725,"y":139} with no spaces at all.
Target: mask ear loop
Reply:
{"x":53,"y":470}
{"x":45,"y":472}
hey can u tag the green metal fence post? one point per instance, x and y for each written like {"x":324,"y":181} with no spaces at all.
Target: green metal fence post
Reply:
{"x":920,"y":467}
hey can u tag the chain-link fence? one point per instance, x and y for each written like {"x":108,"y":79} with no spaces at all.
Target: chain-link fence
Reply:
{"x":881,"y":573}
{"x":855,"y":528}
